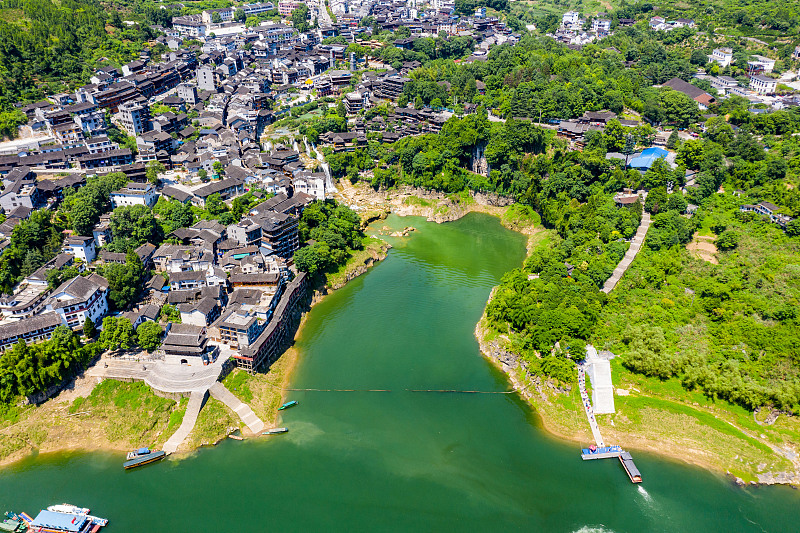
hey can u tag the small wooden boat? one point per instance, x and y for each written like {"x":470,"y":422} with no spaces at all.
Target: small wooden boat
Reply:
{"x":288,"y":405}
{"x":276,"y":431}
{"x":142,"y":459}
{"x":236,"y":437}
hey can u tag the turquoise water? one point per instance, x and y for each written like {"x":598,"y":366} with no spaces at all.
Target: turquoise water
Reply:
{"x":401,"y":460}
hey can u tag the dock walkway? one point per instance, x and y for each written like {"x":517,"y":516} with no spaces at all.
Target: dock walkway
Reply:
{"x":247,"y":415}
{"x":196,"y":401}
{"x":587,"y":407}
{"x":623,"y":265}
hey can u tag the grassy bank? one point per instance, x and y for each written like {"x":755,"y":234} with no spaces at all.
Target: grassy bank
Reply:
{"x":374,"y":249}
{"x":112,"y":415}
{"x":263,"y":392}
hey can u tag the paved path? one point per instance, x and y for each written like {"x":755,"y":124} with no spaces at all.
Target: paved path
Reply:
{"x":196,"y":401}
{"x":587,"y":407}
{"x":161,"y":376}
{"x":623,"y":265}
{"x":247,"y":415}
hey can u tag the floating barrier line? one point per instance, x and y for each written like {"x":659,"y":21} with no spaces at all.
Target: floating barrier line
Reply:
{"x":452,"y":391}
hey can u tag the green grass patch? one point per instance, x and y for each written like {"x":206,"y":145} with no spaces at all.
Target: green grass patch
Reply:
{"x":131,"y":412}
{"x":76,"y":404}
{"x":418,"y":202}
{"x":176,"y":416}
{"x":371,"y":247}
{"x":213,"y":423}
{"x":519,"y":215}
{"x":628,"y":403}
{"x":238,"y":383}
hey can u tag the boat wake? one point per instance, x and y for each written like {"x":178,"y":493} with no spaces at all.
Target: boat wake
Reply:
{"x":594,"y":529}
{"x":644,"y":493}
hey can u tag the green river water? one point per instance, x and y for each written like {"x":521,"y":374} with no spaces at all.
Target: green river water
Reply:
{"x":400,"y":461}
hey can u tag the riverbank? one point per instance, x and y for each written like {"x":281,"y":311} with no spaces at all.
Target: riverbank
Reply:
{"x":116,"y":417}
{"x":720,"y":437}
{"x":651,"y":416}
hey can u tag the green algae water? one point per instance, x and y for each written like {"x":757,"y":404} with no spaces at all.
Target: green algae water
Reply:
{"x":401,"y":460}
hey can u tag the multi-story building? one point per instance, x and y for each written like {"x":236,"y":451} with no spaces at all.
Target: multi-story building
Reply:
{"x":762,"y":84}
{"x":723,"y":56}
{"x":80,"y":299}
{"x":207,"y":79}
{"x":285,"y":7}
{"x":279,"y":234}
{"x":81,"y":247}
{"x":37,"y":328}
{"x":135,"y":117}
{"x":190,"y":25}
{"x":237,"y":328}
{"x":135,"y":194}
{"x":246,"y":232}
{"x":188,"y":93}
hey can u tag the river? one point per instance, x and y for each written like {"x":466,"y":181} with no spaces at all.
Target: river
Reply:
{"x":402,"y":460}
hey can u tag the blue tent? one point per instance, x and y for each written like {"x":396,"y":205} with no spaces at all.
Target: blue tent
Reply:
{"x":646,"y":159}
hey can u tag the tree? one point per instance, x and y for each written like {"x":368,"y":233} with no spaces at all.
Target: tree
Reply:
{"x":728,"y":240}
{"x":215,"y":205}
{"x":300,"y":18}
{"x":219,"y":170}
{"x":89,"y":330}
{"x":614,"y":136}
{"x":203,"y":175}
{"x":216,"y":18}
{"x":251,"y":22}
{"x":124,"y":281}
{"x":154,"y":168}
{"x":673,"y":140}
{"x":698,"y":57}
{"x":170,"y":313}
{"x":149,"y":336}
{"x":793,"y":228}
{"x":137,"y":223}
{"x":117,"y":334}
{"x":239,"y":15}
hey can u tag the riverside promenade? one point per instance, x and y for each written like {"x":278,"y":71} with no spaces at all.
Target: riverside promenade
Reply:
{"x":630,"y":255}
{"x":196,"y":381}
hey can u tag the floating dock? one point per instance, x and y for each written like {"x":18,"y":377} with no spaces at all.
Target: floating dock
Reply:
{"x":607,"y":452}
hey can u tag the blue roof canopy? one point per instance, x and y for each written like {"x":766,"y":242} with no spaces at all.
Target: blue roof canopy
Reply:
{"x":648,"y":157}
{"x":59,"y":521}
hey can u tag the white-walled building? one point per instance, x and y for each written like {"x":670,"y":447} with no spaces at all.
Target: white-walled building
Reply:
{"x":80,"y":299}
{"x":135,"y":194}
{"x":81,"y":248}
{"x":723,"y":56}
{"x":763,"y":85}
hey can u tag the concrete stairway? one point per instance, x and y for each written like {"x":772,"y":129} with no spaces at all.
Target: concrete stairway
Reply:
{"x":196,"y":401}
{"x":634,"y":248}
{"x":254,"y":424}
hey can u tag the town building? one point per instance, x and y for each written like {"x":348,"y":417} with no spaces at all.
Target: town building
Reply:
{"x":81,"y":248}
{"x":762,"y":84}
{"x":135,"y":194}
{"x":80,"y":299}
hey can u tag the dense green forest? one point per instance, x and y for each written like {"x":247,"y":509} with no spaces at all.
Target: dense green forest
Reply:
{"x":25,"y":370}
{"x":45,"y":45}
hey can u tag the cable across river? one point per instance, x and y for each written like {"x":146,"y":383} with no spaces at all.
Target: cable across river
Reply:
{"x":451,"y":391}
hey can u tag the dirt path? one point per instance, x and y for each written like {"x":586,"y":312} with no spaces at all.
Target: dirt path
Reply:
{"x":703,"y":248}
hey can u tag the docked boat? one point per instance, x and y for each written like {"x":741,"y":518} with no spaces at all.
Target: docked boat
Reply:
{"x":236,"y":437}
{"x":288,"y":405}
{"x":69,"y":508}
{"x":630,"y":468}
{"x":141,"y":457}
{"x":66,"y":522}
{"x":276,"y":431}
